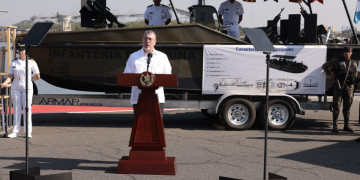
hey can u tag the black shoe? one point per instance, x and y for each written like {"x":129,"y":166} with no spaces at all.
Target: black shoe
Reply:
{"x":335,"y":129}
{"x":358,"y":140}
{"x":348,"y":129}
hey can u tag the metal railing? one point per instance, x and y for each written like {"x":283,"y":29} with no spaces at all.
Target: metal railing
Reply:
{"x":6,"y":96}
{"x":6,"y":92}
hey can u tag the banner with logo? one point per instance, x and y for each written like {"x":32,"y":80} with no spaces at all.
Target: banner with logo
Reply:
{"x":293,"y":70}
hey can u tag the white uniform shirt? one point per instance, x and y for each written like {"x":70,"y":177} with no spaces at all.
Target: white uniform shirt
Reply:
{"x":157,"y":15}
{"x":17,"y":68}
{"x":137,"y":63}
{"x":231,"y":11}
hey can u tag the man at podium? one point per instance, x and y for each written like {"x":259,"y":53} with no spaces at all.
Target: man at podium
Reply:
{"x":148,"y":59}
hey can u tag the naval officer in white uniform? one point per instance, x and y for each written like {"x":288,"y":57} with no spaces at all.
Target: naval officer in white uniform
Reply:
{"x":156,"y":14}
{"x":233,"y":13}
{"x":137,"y":63}
{"x":18,"y":91}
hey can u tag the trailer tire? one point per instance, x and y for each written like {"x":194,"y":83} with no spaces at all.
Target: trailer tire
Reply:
{"x":237,"y":114}
{"x":281,"y":115}
{"x":210,"y":116}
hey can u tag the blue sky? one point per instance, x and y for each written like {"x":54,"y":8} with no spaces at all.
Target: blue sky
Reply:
{"x":331,"y":13}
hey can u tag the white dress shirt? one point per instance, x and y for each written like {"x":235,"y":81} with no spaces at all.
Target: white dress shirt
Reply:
{"x":137,"y":63}
{"x":231,"y":11}
{"x":157,"y":15}
{"x":17,"y":68}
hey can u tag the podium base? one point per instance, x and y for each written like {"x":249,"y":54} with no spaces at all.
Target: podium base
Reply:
{"x":227,"y":178}
{"x":167,"y":167}
{"x":34,"y":174}
{"x":273,"y":176}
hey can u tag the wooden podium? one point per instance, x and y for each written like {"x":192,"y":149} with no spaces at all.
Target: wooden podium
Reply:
{"x":147,"y":140}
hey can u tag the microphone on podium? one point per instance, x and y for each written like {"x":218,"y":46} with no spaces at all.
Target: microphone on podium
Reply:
{"x":149,"y":60}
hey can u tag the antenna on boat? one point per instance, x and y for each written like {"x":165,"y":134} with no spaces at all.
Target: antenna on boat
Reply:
{"x":177,"y":19}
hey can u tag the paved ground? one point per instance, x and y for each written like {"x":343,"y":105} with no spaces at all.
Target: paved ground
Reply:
{"x":90,"y":144}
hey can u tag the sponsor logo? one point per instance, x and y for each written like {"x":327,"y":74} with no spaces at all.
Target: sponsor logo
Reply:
{"x":71,"y":102}
{"x":54,"y":101}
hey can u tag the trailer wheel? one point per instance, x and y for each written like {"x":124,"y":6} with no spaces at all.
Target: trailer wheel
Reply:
{"x":210,"y":116}
{"x":237,"y":114}
{"x":280,"y":116}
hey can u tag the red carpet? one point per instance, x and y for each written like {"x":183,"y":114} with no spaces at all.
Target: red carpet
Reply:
{"x":36,"y":109}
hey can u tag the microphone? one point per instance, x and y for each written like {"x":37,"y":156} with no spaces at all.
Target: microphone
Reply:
{"x":149,"y":60}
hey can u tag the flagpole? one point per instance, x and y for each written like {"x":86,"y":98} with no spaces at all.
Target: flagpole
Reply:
{"x":356,"y":8}
{"x":309,"y":5}
{"x":351,"y":24}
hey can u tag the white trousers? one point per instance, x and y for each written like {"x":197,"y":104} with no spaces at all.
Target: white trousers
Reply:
{"x":19,"y":101}
{"x":233,"y":30}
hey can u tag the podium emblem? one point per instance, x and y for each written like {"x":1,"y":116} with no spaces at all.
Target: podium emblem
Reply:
{"x":146,"y":79}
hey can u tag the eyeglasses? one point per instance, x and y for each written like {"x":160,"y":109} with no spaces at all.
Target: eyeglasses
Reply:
{"x":148,"y":39}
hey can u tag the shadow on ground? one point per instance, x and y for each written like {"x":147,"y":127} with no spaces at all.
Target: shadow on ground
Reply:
{"x":63,"y":164}
{"x":185,"y":121}
{"x":341,"y":156}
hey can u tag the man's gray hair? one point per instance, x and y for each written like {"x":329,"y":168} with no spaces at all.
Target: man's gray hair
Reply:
{"x":149,"y":32}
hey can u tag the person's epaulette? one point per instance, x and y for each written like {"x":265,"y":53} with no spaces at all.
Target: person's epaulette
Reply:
{"x":150,"y":5}
{"x":31,"y":59}
{"x":163,"y":5}
{"x":15,"y":59}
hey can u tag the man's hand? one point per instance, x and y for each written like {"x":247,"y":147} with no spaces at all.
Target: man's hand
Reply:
{"x":221,"y":20}
{"x":1,"y":86}
{"x":168,"y":21}
{"x":240,"y":19}
{"x":332,"y":77}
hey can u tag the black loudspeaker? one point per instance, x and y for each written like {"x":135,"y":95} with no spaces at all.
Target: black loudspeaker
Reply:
{"x":284,"y":25}
{"x":310,"y":28}
{"x":294,"y":28}
{"x":295,"y":35}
